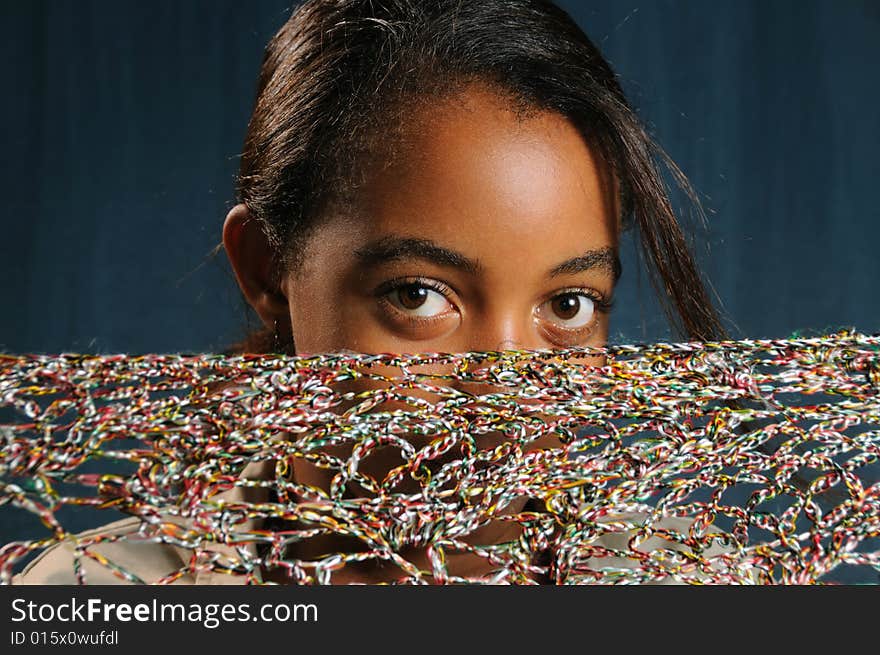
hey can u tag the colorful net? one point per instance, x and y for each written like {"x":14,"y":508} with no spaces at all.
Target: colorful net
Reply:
{"x":730,"y":462}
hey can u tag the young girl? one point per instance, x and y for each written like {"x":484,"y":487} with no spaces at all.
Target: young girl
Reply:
{"x":439,"y":176}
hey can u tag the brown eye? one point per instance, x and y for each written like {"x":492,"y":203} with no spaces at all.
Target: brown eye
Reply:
{"x":566,"y":306}
{"x":570,"y":310}
{"x":419,"y":300}
{"x":412,"y":296}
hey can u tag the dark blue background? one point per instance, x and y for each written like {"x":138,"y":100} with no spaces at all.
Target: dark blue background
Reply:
{"x":124,"y":122}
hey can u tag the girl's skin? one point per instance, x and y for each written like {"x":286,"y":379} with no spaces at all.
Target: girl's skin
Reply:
{"x":491,"y":229}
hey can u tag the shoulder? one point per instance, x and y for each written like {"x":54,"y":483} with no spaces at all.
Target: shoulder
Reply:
{"x":149,"y":561}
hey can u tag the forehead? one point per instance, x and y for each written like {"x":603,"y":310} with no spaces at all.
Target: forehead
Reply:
{"x":503,"y":187}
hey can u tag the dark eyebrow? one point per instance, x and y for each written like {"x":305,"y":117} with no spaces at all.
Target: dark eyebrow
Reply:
{"x":392,"y":248}
{"x":600,"y":258}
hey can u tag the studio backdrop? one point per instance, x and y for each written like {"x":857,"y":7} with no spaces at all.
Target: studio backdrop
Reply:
{"x":124,"y":122}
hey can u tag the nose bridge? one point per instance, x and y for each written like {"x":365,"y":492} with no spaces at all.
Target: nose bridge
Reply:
{"x":503,"y":326}
{"x":506,"y":327}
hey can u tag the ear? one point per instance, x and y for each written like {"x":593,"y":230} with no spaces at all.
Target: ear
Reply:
{"x":250,"y":254}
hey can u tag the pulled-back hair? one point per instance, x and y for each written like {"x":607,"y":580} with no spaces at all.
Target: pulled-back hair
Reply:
{"x":340,"y":78}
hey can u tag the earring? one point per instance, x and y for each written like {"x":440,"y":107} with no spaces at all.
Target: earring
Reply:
{"x":276,"y":338}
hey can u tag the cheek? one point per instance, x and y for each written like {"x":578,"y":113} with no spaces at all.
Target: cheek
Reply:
{"x":324,"y":318}
{"x":599,"y":339}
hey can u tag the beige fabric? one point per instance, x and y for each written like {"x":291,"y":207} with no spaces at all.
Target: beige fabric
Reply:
{"x":152,"y":561}
{"x":619,"y":541}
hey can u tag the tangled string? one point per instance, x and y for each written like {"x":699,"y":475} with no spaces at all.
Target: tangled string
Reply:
{"x":729,"y":462}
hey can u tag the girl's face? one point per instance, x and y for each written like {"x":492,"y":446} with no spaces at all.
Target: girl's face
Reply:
{"x":489,"y":231}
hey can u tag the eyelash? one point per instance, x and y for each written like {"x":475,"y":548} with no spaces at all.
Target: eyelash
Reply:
{"x":402,"y":283}
{"x":601,"y":304}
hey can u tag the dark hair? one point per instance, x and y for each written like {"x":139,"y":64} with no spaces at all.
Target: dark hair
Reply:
{"x":340,"y":72}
